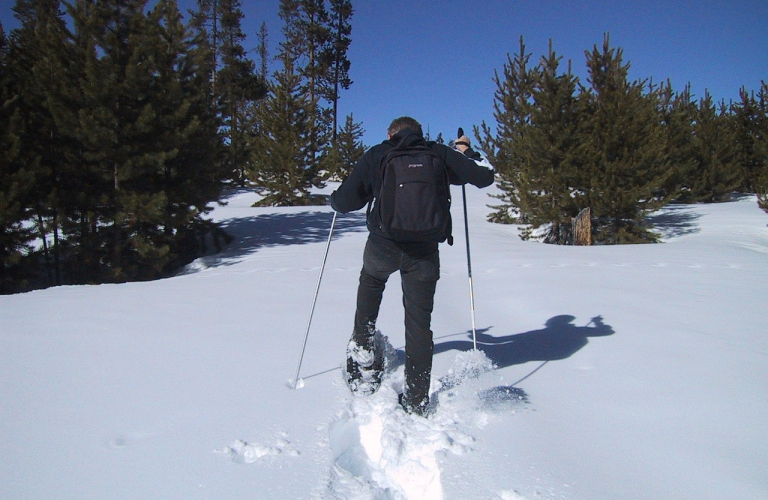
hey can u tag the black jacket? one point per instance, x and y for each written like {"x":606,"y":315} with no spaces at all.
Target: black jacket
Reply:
{"x":364,"y":181}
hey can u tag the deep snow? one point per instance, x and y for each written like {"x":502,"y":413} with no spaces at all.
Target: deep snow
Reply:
{"x":630,"y":372}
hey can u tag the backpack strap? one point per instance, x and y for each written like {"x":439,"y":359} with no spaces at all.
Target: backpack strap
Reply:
{"x":398,"y":145}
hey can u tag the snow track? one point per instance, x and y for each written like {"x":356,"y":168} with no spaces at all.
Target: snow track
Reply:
{"x":381,"y":452}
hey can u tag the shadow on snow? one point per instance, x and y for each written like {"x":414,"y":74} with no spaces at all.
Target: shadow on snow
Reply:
{"x":559,"y":339}
{"x":277,"y":229}
{"x":674,"y":221}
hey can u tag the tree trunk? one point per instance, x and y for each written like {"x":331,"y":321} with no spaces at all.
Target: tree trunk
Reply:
{"x":582,"y":228}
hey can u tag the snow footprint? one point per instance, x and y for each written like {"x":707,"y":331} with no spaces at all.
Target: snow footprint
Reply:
{"x":393,"y":453}
{"x":243,"y":452}
{"x":387,"y":453}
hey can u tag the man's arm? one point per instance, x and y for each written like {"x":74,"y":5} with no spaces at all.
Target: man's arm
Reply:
{"x":356,"y":190}
{"x":464,"y":169}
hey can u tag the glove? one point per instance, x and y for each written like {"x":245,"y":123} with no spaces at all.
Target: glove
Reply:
{"x":462,"y":143}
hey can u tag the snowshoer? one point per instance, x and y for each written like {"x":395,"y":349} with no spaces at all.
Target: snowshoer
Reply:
{"x":402,"y":237}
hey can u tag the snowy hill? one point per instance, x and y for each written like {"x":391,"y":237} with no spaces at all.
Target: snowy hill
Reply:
{"x":632,"y":372}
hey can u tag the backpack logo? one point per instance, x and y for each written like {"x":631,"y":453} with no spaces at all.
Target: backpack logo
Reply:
{"x":414,"y":201}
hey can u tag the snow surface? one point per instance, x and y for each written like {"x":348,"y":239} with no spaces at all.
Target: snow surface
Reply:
{"x":629,"y":372}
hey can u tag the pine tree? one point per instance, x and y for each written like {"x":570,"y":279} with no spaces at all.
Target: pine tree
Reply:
{"x":234,"y":83}
{"x":80,"y":181}
{"x":717,"y":173}
{"x":349,"y":148}
{"x":113,"y":87}
{"x":318,"y":41}
{"x":761,"y":146}
{"x":312,"y":24}
{"x":512,"y":111}
{"x":238,"y":86}
{"x":145,"y":138}
{"x":335,"y":55}
{"x":748,"y":114}
{"x":204,"y":21}
{"x":186,"y":140}
{"x":263,"y":51}
{"x":280,"y":166}
{"x":42,"y":54}
{"x":16,"y":180}
{"x":677,"y":114}
{"x":547,"y":181}
{"x":623,"y":149}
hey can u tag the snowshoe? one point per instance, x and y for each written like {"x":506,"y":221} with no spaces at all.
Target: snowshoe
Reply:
{"x":365,"y":366}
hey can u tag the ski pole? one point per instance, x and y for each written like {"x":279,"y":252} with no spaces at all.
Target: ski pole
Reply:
{"x":296,"y":381}
{"x":469,"y":269}
{"x":459,"y":134}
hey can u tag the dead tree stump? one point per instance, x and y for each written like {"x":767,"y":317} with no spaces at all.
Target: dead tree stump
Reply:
{"x":582,"y":228}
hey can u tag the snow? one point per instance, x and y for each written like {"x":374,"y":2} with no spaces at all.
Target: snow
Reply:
{"x":629,"y":372}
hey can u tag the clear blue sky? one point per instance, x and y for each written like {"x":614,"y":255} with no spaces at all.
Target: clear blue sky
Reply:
{"x":435,"y":60}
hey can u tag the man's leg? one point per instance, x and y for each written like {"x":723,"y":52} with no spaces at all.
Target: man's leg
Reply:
{"x":419,"y":277}
{"x":364,"y":364}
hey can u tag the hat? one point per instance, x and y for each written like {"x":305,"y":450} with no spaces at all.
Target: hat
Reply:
{"x":463,"y":140}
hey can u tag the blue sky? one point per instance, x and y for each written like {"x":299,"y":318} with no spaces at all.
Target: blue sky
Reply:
{"x":436,"y":60}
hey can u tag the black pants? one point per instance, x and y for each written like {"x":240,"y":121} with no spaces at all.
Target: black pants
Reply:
{"x":419,"y":272}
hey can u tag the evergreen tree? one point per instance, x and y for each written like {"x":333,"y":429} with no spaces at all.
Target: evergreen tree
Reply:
{"x":623,"y":149}
{"x":80,"y":180}
{"x":312,"y":24}
{"x":547,"y":181}
{"x":238,"y":85}
{"x":185,"y":140}
{"x":280,"y":166}
{"x":317,"y":41}
{"x":349,"y":148}
{"x":263,"y":51}
{"x":335,"y":55}
{"x":117,"y":86}
{"x":677,"y":114}
{"x":234,"y":83}
{"x":41,"y":55}
{"x":16,"y":181}
{"x":204,"y":22}
{"x":717,"y":173}
{"x":148,"y":139}
{"x":512,"y":111}
{"x":761,"y":146}
{"x":748,"y":116}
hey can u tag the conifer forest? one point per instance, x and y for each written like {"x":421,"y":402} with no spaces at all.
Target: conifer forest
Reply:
{"x":123,"y":122}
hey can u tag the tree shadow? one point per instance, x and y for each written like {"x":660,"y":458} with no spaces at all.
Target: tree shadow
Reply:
{"x":276,"y":229}
{"x":674,"y":220}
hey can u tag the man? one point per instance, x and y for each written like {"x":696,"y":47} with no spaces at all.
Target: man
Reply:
{"x":417,"y":261}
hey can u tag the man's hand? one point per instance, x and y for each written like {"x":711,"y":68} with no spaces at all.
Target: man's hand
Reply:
{"x":462,"y":143}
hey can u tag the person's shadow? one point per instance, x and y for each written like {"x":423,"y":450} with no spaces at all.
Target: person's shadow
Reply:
{"x":559,"y":339}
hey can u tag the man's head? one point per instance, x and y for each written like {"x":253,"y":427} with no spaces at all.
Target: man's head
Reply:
{"x":402,"y":123}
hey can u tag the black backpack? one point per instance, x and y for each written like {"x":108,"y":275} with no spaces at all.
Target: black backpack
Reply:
{"x":414,"y":201}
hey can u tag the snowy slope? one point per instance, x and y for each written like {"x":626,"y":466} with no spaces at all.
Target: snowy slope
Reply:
{"x":632,"y":372}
